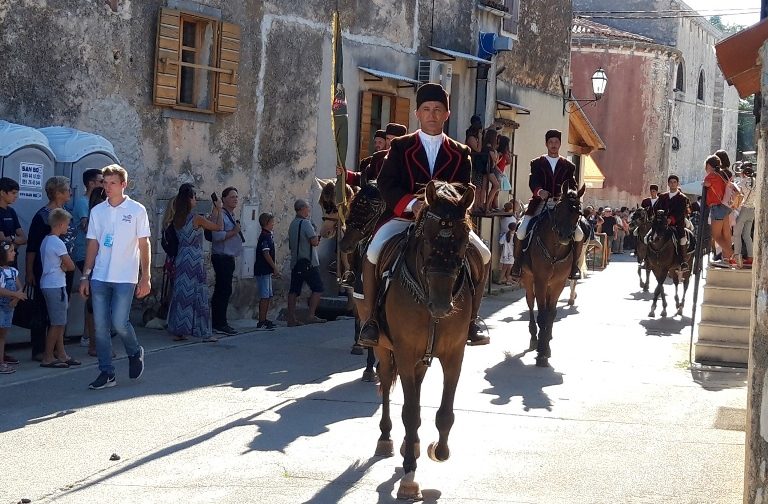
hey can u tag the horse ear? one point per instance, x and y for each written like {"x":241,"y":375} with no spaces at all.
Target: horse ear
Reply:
{"x":468,"y":197}
{"x":582,"y":190}
{"x":430,"y":193}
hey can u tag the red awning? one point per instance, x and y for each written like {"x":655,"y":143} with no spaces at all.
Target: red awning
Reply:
{"x":738,"y":58}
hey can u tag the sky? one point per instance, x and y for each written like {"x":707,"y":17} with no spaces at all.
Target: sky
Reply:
{"x":719,"y":7}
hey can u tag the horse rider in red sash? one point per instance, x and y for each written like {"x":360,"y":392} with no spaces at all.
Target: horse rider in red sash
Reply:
{"x":676,"y":204}
{"x":548,"y":174}
{"x":370,"y":167}
{"x":412,"y":161}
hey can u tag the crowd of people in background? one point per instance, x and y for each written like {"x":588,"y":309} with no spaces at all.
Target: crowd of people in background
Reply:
{"x":491,"y":160}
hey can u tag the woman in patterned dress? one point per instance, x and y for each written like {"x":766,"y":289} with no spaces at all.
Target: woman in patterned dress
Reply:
{"x":189,"y":313}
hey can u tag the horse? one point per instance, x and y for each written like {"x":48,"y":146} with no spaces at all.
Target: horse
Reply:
{"x":547,"y":264}
{"x":642,"y":223}
{"x":331,"y":218}
{"x":426,"y":313}
{"x":662,"y":260}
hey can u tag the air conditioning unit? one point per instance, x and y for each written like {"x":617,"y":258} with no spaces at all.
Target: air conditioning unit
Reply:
{"x":435,"y":71}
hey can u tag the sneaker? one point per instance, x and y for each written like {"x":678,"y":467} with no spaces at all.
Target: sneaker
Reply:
{"x":104,"y":380}
{"x":227,"y":329}
{"x":10,"y":359}
{"x":136,"y":365}
{"x":6,"y":369}
{"x":85,"y":341}
{"x":267,"y":325}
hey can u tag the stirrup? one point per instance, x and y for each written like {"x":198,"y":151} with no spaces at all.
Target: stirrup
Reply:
{"x":348,"y":280}
{"x":369,"y":334}
{"x":575,"y":274}
{"x":474,"y":338}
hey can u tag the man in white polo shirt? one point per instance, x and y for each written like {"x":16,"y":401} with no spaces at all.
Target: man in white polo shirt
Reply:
{"x":118,"y":244}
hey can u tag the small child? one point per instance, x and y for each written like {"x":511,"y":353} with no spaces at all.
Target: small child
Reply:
{"x":53,"y":283}
{"x":10,"y":295}
{"x":507,"y":253}
{"x":265,"y":268}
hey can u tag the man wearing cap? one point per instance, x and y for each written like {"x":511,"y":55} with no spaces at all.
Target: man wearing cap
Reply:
{"x":676,"y":204}
{"x":414,"y":160}
{"x":370,"y":167}
{"x":548,"y":174}
{"x":650,"y":203}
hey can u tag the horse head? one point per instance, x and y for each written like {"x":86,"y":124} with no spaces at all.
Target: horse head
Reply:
{"x":327,"y":202}
{"x":365,"y":208}
{"x":639,"y":216}
{"x":442,"y":238}
{"x":660,"y":224}
{"x":566,"y":213}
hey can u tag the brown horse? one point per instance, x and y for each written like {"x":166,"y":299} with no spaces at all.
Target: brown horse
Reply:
{"x":642,"y":222}
{"x":662,"y":260}
{"x":426,"y":314}
{"x":547,"y":265}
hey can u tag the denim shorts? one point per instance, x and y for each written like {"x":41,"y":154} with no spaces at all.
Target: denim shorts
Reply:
{"x":57,"y":302}
{"x":264,"y":282}
{"x":311,"y":277}
{"x":719,"y":212}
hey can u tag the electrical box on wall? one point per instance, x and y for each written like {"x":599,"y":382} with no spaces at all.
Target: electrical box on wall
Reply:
{"x":249,"y":223}
{"x":247,"y":260}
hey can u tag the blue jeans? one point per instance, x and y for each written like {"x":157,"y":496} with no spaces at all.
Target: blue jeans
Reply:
{"x":111,"y":308}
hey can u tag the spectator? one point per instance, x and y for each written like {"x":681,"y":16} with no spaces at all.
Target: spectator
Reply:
{"x":227,"y":244}
{"x":716,"y":181}
{"x":621,"y":226}
{"x":189,"y":313}
{"x":490,"y":188}
{"x":474,"y":133}
{"x":92,"y":179}
{"x":97,"y":196}
{"x":505,"y":160}
{"x":473,"y":136}
{"x":10,"y":295}
{"x":303,"y":242}
{"x":57,"y":190}
{"x":265,"y":268}
{"x":117,"y":249}
{"x":742,"y":231}
{"x":507,"y":254}
{"x":10,"y":229}
{"x":609,"y":228}
{"x":53,"y":283}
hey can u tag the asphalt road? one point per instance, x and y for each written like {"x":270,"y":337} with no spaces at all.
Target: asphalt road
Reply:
{"x":282,"y":417}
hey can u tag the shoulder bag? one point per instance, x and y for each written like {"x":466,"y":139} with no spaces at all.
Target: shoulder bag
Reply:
{"x":303,"y":264}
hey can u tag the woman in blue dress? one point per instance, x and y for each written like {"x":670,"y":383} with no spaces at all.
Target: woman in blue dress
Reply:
{"x":189,"y":313}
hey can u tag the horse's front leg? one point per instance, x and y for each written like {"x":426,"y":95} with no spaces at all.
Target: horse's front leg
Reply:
{"x":663,"y":300}
{"x":680,"y":307}
{"x":529,"y":297}
{"x":387,"y":375}
{"x":411,"y":382}
{"x":647,"y":280}
{"x":656,"y":293}
{"x":439,"y":452}
{"x":572,"y":298}
{"x":640,"y":275}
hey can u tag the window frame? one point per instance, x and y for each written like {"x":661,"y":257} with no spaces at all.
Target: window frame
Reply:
{"x":701,"y":87}
{"x":513,"y":8}
{"x":680,"y":77}
{"x":186,"y":17}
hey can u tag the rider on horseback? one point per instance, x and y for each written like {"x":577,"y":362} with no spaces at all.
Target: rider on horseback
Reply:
{"x":370,"y":167}
{"x":413,"y":160}
{"x":548,"y":174}
{"x":676,"y":205}
{"x":649,"y":205}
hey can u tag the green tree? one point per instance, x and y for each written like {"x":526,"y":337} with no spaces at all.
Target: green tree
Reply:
{"x":727,"y":29}
{"x":745,"y":136}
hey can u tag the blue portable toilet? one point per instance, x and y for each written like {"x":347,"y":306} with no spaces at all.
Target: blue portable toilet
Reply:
{"x":76,"y":151}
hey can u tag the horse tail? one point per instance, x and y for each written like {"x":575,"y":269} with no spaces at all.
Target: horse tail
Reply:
{"x":392,"y":367}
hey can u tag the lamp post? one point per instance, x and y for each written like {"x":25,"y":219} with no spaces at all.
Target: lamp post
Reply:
{"x":599,"y":83}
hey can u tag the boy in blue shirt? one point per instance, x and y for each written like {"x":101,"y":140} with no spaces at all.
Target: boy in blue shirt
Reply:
{"x":265,"y":268}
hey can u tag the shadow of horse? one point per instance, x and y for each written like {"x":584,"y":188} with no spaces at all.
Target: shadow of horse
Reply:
{"x":512,"y":378}
{"x":665,"y":327}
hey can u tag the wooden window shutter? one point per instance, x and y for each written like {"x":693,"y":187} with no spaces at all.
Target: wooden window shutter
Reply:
{"x":168,"y":54}
{"x":366,"y":105}
{"x":229,"y":59}
{"x":403,"y":111}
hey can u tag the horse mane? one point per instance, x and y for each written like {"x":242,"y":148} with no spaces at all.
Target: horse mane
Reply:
{"x":327,"y":199}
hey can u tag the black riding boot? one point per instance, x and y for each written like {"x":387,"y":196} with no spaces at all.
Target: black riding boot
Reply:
{"x":474,"y":338}
{"x":369,"y":333}
{"x":681,"y":257}
{"x":575,"y":272}
{"x":516,"y":270}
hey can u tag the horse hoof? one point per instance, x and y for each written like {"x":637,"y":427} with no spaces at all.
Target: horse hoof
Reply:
{"x":432,"y":453}
{"x":570,"y":302}
{"x":645,"y":289}
{"x":385,"y":448}
{"x":416,"y":449}
{"x":542,"y":362}
{"x":652,"y":314}
{"x":409,"y":489}
{"x":663,"y":314}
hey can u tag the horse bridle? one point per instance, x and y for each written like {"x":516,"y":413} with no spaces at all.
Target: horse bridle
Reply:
{"x":375,"y":208}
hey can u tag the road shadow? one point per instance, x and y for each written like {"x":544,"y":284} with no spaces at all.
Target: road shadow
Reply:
{"x":513,"y":378}
{"x":668,"y":326}
{"x":640,"y":296}
{"x":717,"y":379}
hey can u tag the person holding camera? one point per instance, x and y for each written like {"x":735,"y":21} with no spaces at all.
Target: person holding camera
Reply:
{"x":305,"y":264}
{"x":226,"y":245}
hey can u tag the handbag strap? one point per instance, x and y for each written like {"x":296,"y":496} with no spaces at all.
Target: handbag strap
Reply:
{"x":298,"y":243}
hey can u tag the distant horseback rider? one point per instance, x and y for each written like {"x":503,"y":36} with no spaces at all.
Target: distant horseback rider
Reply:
{"x":676,"y":205}
{"x":370,"y":167}
{"x":548,"y":174}
{"x":412,"y":161}
{"x":650,"y":203}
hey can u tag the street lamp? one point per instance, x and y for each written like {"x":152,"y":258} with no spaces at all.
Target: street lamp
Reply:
{"x":599,"y":83}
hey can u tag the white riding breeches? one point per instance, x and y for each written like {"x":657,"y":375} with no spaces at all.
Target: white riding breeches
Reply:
{"x":395,"y":226}
{"x":522,"y":229}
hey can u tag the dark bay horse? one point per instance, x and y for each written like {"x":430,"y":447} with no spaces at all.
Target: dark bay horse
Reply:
{"x":426,"y":313}
{"x":546,"y":267}
{"x":662,"y":260}
{"x":641,"y":221}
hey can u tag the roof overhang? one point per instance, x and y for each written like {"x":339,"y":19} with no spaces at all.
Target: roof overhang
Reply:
{"x":583,"y":138}
{"x":454,"y":55}
{"x":507,"y":105}
{"x":379,"y":75}
{"x":739,"y":58}
{"x":593,"y":175}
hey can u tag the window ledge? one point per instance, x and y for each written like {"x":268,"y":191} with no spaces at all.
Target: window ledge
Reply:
{"x":186,"y":115}
{"x":495,"y":11}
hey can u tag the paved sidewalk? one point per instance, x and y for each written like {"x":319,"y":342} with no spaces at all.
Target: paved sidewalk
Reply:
{"x":282,"y":417}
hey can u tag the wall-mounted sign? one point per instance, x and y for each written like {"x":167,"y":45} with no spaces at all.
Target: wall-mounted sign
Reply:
{"x":31,"y":175}
{"x":675,"y":143}
{"x":33,"y":195}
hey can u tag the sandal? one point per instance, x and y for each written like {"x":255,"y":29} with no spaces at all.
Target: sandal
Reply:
{"x":6,"y":369}
{"x":57,"y":364}
{"x":210,"y":339}
{"x":72,"y":362}
{"x":10,"y":359}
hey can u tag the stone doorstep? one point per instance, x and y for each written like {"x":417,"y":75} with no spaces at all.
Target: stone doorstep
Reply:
{"x":734,"y":296}
{"x":723,"y":352}
{"x":721,"y":277}
{"x":723,"y":332}
{"x":725,"y":314}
